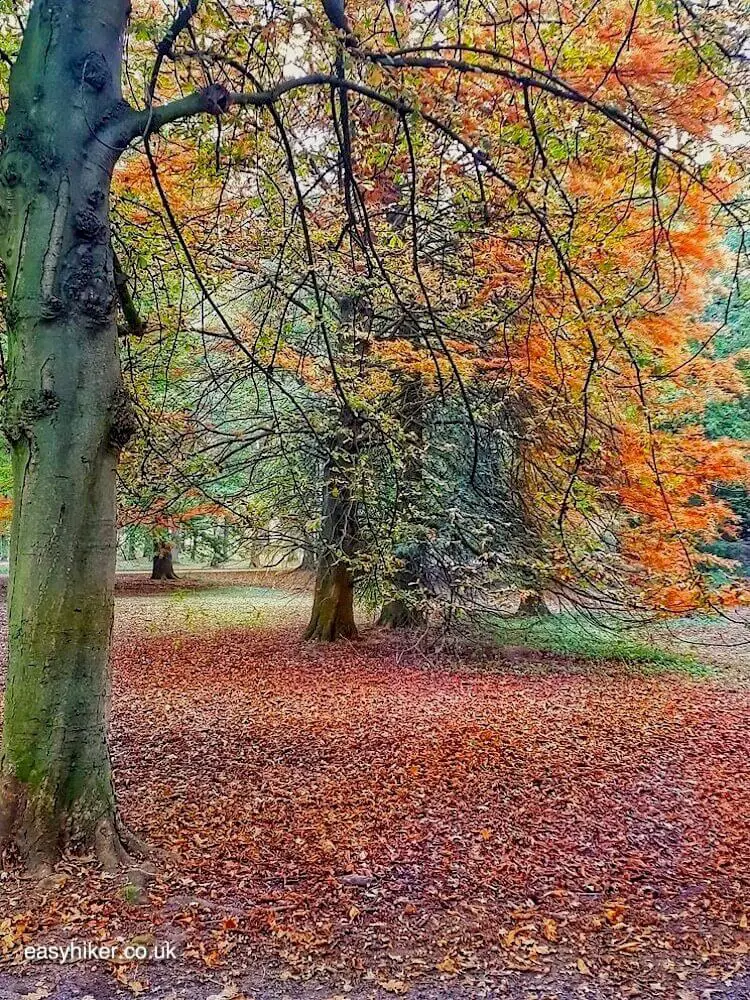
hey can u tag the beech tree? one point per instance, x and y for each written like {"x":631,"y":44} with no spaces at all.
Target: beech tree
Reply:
{"x":67,"y":418}
{"x":67,"y":415}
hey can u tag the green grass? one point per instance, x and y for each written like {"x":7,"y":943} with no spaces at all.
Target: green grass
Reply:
{"x":570,"y":635}
{"x":197,"y":611}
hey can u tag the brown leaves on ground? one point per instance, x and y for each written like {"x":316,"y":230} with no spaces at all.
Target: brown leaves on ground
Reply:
{"x":347,"y":809}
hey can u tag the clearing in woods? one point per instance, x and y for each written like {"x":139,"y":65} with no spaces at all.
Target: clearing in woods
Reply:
{"x":376,"y":818}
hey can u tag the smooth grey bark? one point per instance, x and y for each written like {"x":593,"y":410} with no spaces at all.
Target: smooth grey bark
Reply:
{"x":67,"y":417}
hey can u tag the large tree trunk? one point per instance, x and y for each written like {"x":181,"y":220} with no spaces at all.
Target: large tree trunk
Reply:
{"x":333,"y":606}
{"x":67,"y":417}
{"x":163,"y":565}
{"x":533,"y":605}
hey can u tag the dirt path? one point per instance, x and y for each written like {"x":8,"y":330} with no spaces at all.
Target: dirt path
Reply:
{"x":88,"y":984}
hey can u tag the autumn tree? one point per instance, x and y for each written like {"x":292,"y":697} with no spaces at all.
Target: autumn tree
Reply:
{"x":517,"y":110}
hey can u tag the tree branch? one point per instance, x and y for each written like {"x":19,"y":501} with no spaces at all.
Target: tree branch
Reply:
{"x":134,"y":325}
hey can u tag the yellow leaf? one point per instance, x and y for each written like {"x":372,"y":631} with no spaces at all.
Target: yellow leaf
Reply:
{"x":549,"y":929}
{"x":395,"y":986}
{"x":510,"y":937}
{"x":583,"y":968}
{"x":449,"y":965}
{"x":614,"y":913}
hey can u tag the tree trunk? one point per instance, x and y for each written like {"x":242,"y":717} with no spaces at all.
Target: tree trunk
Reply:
{"x":130,"y":549}
{"x":219,"y":544}
{"x":533,"y":606}
{"x":398,"y":613}
{"x":333,"y":605}
{"x":309,"y":562}
{"x":163,"y":565}
{"x":67,"y":417}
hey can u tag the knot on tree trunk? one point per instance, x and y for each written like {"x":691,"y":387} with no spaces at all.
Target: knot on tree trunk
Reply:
{"x":87,"y":287}
{"x":21,"y":417}
{"x":93,"y":69}
{"x":217,"y":99}
{"x":124,"y":422}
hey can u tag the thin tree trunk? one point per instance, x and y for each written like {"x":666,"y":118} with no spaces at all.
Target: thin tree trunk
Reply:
{"x":309,"y":562}
{"x":67,"y":417}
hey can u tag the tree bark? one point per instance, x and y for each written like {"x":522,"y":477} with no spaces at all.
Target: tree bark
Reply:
{"x":309,"y":562}
{"x":398,"y":613}
{"x":67,"y":417}
{"x":332,"y":616}
{"x":333,"y":605}
{"x":163,"y":565}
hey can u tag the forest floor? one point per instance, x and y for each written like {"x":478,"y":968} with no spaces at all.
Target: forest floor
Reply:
{"x":380,"y":818}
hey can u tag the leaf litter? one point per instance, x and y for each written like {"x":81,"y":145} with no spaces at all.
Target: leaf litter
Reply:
{"x":353,"y":812}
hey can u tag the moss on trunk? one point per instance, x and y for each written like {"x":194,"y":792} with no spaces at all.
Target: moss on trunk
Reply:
{"x":67,"y":416}
{"x":333,"y":607}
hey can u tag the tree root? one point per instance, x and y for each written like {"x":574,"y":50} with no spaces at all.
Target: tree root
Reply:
{"x":40,"y":836}
{"x":324,"y":629}
{"x":116,"y":847}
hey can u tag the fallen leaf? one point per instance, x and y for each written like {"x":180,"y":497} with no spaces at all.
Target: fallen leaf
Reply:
{"x":549,"y":929}
{"x":448,"y":965}
{"x":395,"y":986}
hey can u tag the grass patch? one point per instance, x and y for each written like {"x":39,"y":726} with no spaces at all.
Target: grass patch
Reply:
{"x":570,"y":635}
{"x":229,"y":607}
